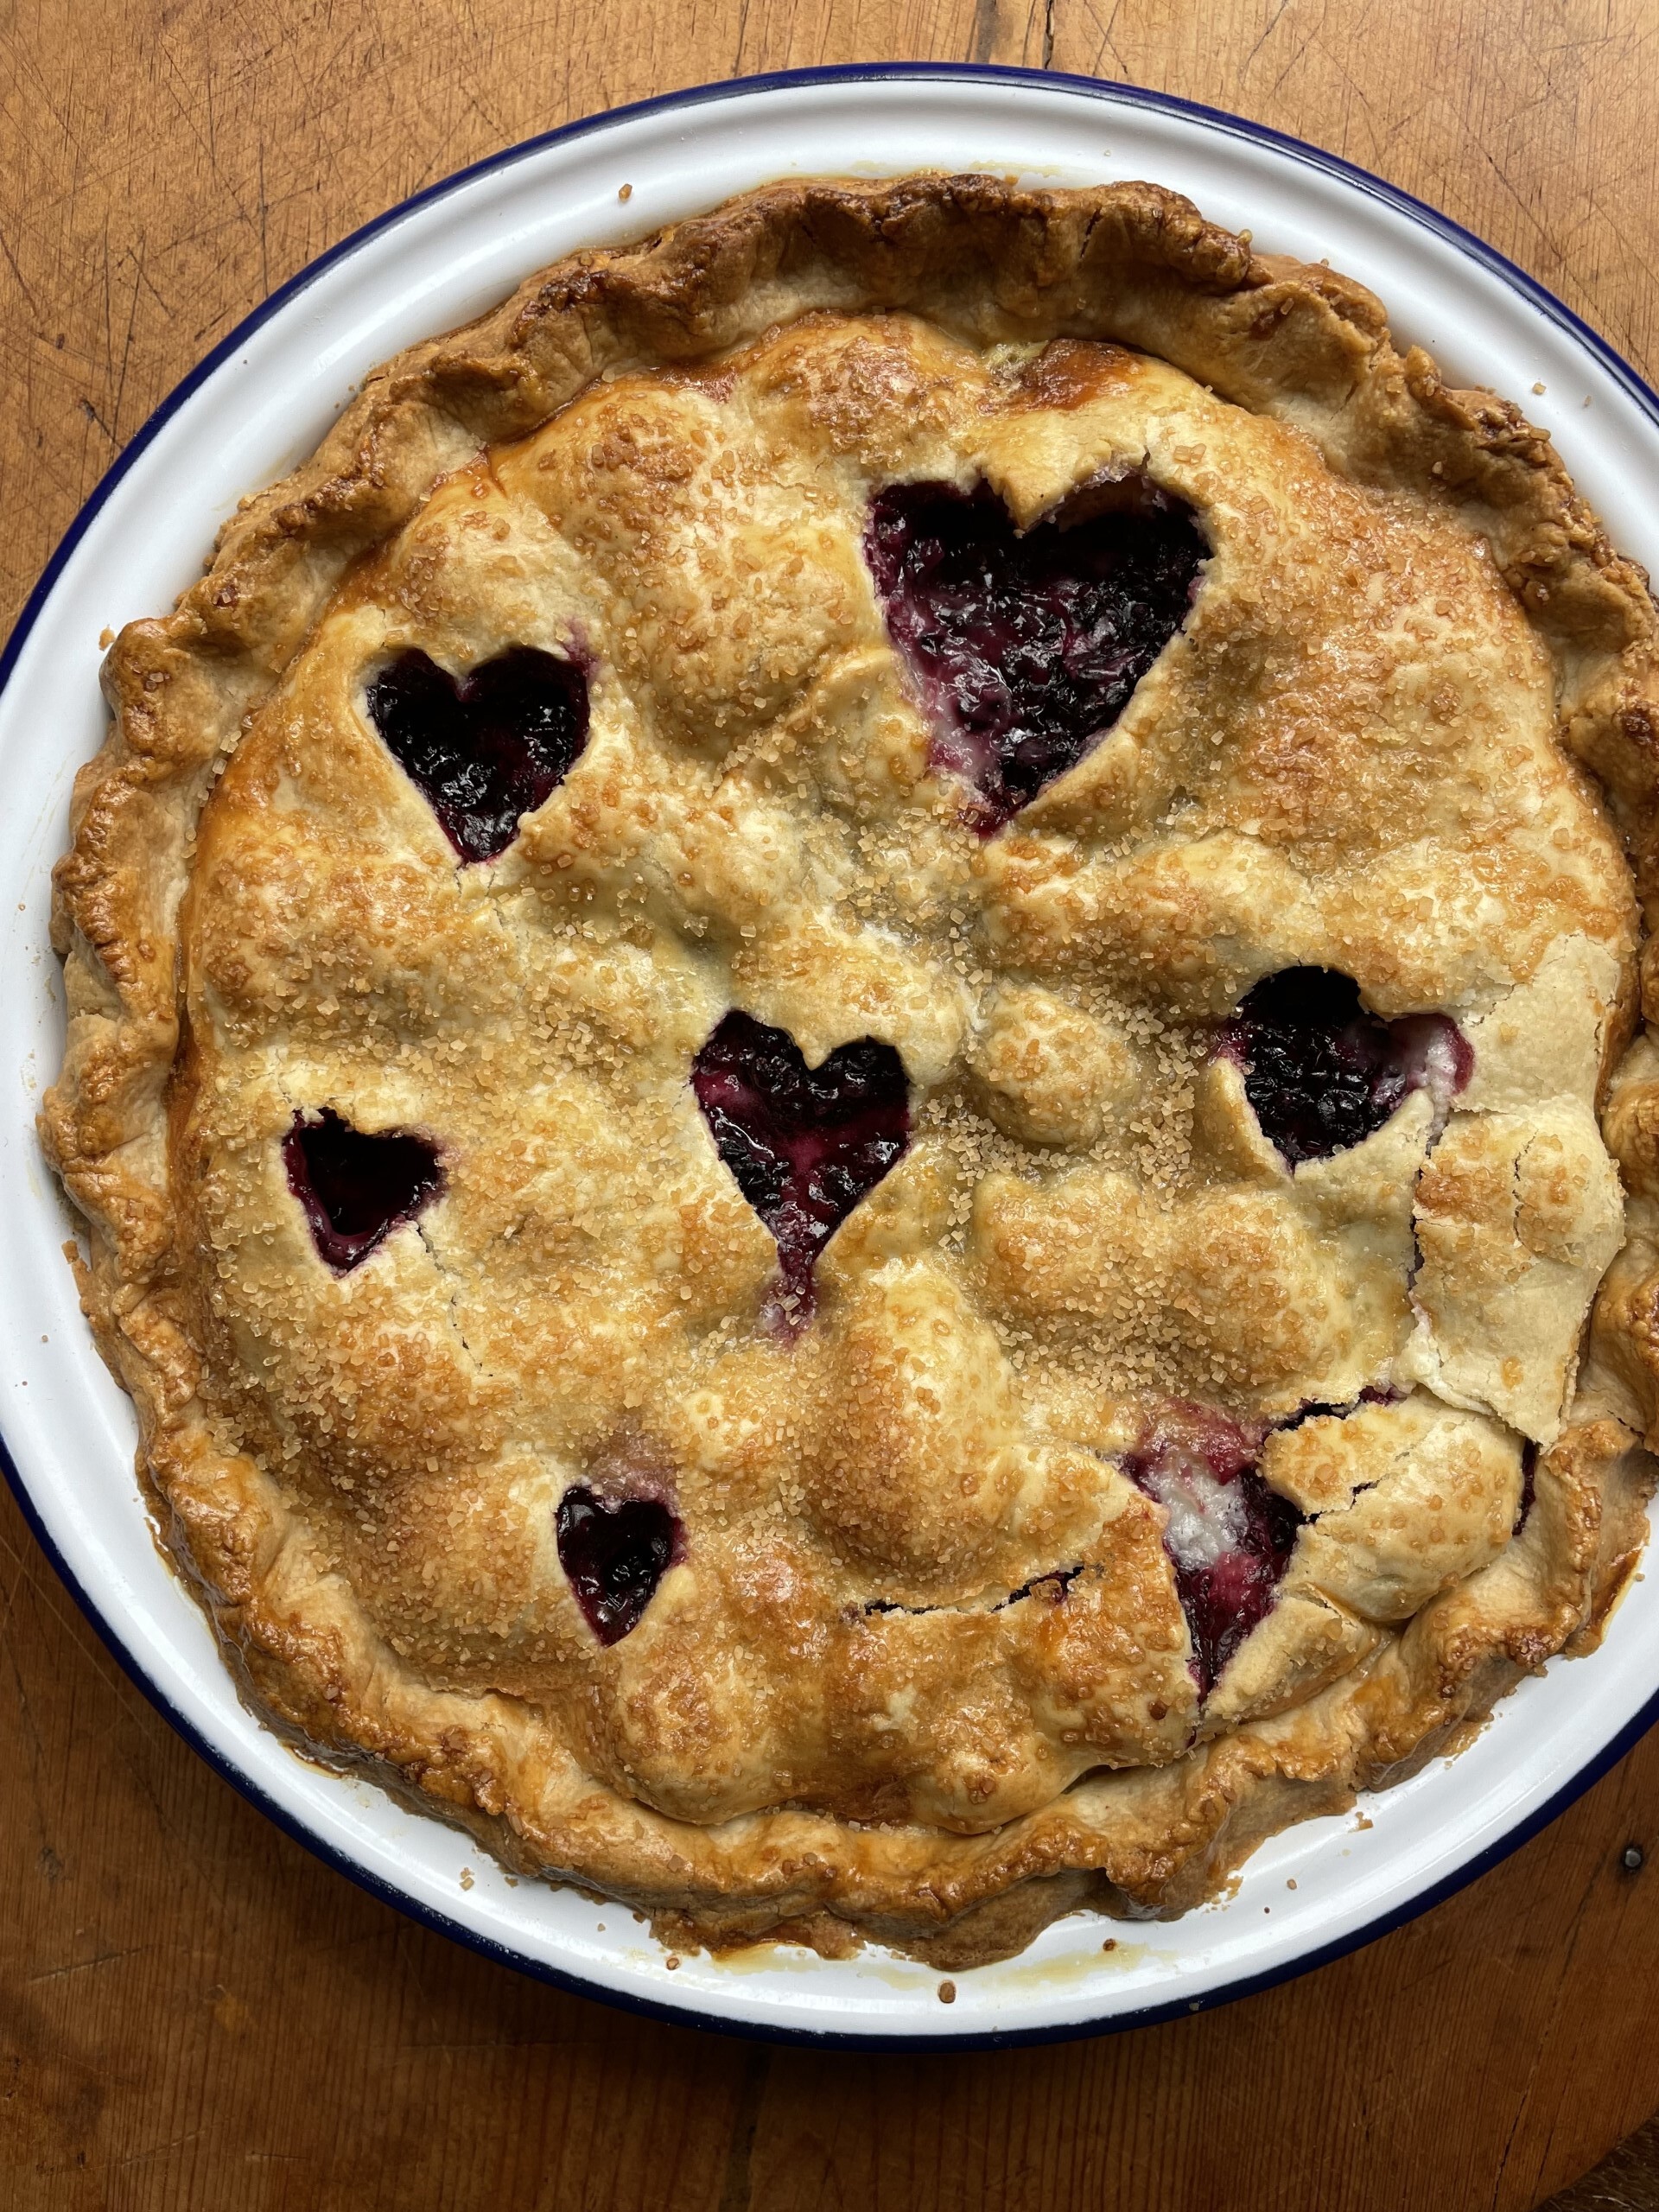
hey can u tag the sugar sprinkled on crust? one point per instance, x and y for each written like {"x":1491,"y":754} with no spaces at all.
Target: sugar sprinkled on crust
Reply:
{"x":923,"y":1662}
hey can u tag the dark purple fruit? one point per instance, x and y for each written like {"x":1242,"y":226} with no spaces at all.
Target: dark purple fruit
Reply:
{"x":1322,"y":1074}
{"x":1229,"y":1537}
{"x":614,"y":1552}
{"x":355,"y":1187}
{"x":805,"y":1144}
{"x":484,"y":748}
{"x":1025,"y":647}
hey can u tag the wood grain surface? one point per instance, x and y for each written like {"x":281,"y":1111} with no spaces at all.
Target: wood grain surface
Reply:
{"x":197,"y":2016}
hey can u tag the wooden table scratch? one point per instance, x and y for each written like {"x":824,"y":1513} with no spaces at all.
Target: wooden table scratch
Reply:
{"x":194,"y":2014}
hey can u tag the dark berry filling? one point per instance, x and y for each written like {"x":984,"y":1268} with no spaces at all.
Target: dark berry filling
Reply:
{"x":615,"y":1551}
{"x":357,"y":1188}
{"x":1025,"y":647}
{"x":805,"y":1144}
{"x":484,"y":748}
{"x":1229,"y":1537}
{"x":1374,"y":1394}
{"x":1322,"y":1074}
{"x":1529,"y":1486}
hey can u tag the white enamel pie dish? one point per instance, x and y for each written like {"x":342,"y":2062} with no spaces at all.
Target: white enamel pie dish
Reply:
{"x":255,"y":408}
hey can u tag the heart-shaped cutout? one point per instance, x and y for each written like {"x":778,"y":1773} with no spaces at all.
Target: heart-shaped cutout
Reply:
{"x":805,"y":1144}
{"x":1322,"y":1073}
{"x":1229,"y":1537}
{"x":1025,"y":646}
{"x":356,"y":1188}
{"x":487,"y":747}
{"x":615,"y":1551}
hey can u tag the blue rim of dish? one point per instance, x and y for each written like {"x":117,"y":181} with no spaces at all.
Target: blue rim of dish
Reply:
{"x":690,"y":2015}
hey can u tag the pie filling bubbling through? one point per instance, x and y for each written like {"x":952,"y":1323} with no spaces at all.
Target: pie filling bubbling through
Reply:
{"x":1025,"y":647}
{"x":804,"y":1145}
{"x":1229,"y":1537}
{"x":357,"y":1187}
{"x":1322,"y":1074}
{"x":487,"y":747}
{"x":615,"y":1551}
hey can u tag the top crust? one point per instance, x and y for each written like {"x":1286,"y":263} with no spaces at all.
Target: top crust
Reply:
{"x":963,"y":329}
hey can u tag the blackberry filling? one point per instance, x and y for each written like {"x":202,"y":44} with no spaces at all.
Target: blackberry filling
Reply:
{"x":1322,"y":1074}
{"x":487,"y":747}
{"x":1529,"y":1486}
{"x":1229,"y":1537}
{"x":614,"y":1552}
{"x":804,"y":1144}
{"x":357,"y":1188}
{"x":1025,"y":647}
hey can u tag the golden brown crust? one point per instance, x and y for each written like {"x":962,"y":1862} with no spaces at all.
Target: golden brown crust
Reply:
{"x":881,"y":328}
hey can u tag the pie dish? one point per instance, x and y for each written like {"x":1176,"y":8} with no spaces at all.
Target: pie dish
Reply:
{"x":816,"y":1279}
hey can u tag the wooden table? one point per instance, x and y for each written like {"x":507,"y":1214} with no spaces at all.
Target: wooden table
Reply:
{"x":194,"y":2015}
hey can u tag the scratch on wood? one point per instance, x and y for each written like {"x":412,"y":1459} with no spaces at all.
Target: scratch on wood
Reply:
{"x":738,"y":2194}
{"x":1523,"y":2102}
{"x":264,"y":226}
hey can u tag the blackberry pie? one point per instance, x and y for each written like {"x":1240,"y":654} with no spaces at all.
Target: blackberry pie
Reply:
{"x":855,"y":1060}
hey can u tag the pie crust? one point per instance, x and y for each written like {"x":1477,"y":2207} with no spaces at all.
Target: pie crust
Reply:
{"x":911,"y":1660}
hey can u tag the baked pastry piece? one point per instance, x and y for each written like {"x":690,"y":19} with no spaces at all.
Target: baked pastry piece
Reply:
{"x":837,"y":1023}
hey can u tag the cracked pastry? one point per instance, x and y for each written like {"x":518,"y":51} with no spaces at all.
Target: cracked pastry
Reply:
{"x":855,"y":1060}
